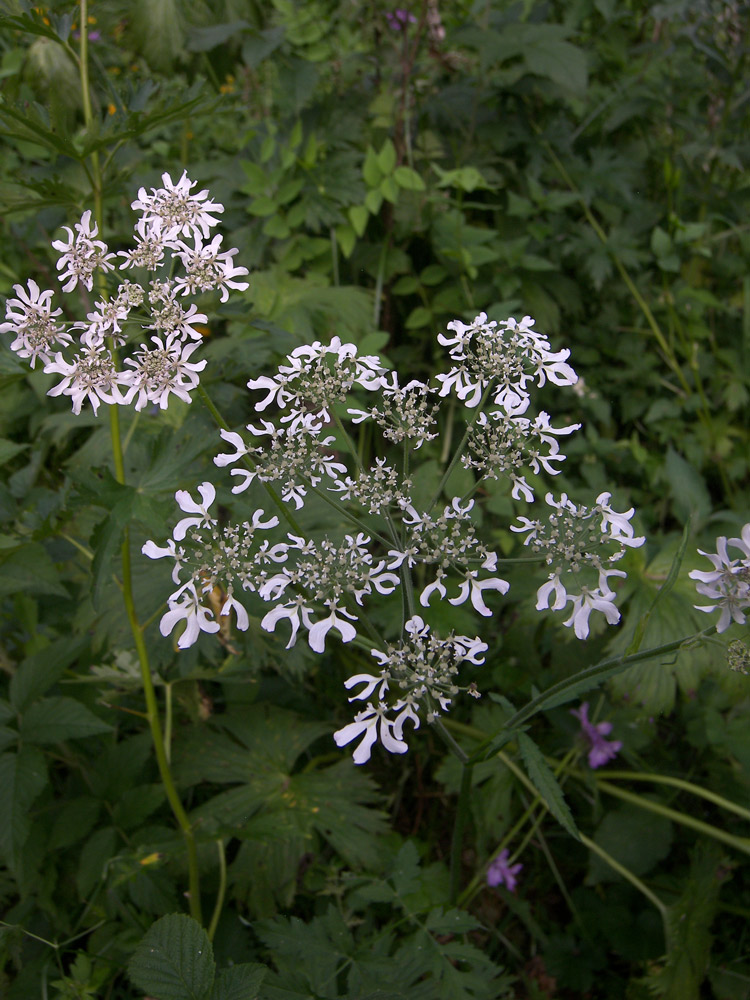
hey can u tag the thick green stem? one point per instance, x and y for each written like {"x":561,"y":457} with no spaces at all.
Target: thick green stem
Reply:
{"x":152,"y":709}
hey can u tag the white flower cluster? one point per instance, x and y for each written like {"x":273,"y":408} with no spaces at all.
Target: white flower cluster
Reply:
{"x":423,"y":550}
{"x":580,"y":542}
{"x":728,"y":584}
{"x":161,"y":367}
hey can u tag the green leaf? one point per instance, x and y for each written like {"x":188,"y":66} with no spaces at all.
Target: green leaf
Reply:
{"x":373,"y":201}
{"x":408,"y":179}
{"x":52,"y":720}
{"x":259,"y":46}
{"x":39,"y":672}
{"x":546,"y":783}
{"x":205,"y":39}
{"x":29,"y":569}
{"x":9,"y":449}
{"x":387,"y":158}
{"x":418,"y":318}
{"x":389,"y":189}
{"x":174,"y":961}
{"x":371,"y":172}
{"x":358,"y":216}
{"x":689,"y":492}
{"x":346,"y":239}
{"x":635,"y":837}
{"x":22,"y":778}
{"x":559,"y":61}
{"x":239,"y":982}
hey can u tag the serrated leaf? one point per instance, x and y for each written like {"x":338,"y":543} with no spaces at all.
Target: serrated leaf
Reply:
{"x":546,"y":783}
{"x":23,"y":775}
{"x":174,"y":961}
{"x":52,"y":720}
{"x":239,"y":982}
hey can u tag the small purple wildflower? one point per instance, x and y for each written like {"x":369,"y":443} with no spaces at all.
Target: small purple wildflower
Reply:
{"x":602,"y":751}
{"x":501,"y":873}
{"x":399,"y":18}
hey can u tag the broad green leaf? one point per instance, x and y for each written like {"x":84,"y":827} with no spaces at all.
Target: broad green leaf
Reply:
{"x":9,"y":449}
{"x":346,"y":239}
{"x":408,"y":179}
{"x":258,"y":46}
{"x":387,"y":158}
{"x":389,"y":189}
{"x":373,"y":201}
{"x":174,"y":961}
{"x":39,"y":672}
{"x":371,"y":172}
{"x":23,"y":775}
{"x":205,"y":39}
{"x":635,"y":837}
{"x":418,"y":318}
{"x":689,"y":492}
{"x":559,"y":61}
{"x":546,"y":783}
{"x":358,"y":216}
{"x":53,"y":720}
{"x":239,"y":982}
{"x":29,"y":569}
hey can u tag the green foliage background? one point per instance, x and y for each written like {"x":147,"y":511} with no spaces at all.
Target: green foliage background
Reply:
{"x":584,"y":163}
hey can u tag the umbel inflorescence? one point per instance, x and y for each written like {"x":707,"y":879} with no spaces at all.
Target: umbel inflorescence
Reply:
{"x":149,"y":323}
{"x":316,"y":587}
{"x":395,"y":543}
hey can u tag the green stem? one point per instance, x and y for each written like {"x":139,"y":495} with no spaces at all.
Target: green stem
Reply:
{"x":686,"y":786}
{"x":460,"y":449}
{"x":222,"y":890}
{"x":558,"y":693}
{"x":738,"y":843}
{"x":633,"y":879}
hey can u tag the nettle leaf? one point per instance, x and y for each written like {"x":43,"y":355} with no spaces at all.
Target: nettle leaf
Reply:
{"x":546,"y":783}
{"x":174,"y":961}
{"x":239,"y":982}
{"x":23,"y":775}
{"x":52,"y":720}
{"x":689,"y":921}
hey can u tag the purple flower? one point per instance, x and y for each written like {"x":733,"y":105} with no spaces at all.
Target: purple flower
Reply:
{"x":501,"y":873}
{"x":602,"y":751}
{"x":398,"y":19}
